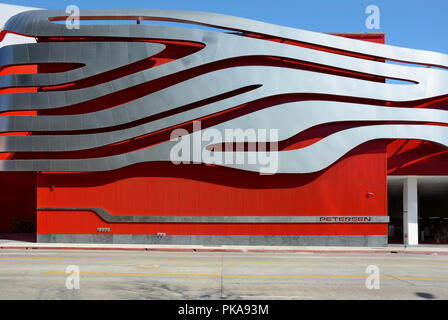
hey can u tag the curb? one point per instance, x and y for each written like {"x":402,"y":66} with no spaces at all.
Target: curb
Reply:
{"x":237,"y":250}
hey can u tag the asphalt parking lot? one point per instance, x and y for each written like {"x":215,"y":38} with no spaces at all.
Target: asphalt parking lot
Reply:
{"x":41,"y":274}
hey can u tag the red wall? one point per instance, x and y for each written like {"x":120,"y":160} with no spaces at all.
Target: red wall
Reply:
{"x":167,"y":189}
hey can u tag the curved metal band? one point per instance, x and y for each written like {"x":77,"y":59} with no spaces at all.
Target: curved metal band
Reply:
{"x":202,"y":75}
{"x":106,"y":216}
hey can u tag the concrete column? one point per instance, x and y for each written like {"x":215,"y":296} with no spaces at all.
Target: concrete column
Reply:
{"x":410,"y":211}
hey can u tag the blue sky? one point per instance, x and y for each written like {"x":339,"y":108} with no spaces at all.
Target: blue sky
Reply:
{"x":408,"y":23}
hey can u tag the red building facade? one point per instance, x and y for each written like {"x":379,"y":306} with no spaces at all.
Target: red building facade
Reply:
{"x":347,"y":202}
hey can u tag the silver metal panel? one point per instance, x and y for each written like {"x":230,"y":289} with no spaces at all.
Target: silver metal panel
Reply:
{"x":106,"y":216}
{"x":69,"y":52}
{"x":223,"y":48}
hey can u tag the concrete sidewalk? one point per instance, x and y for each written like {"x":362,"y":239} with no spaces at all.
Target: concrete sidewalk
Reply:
{"x":393,"y":248}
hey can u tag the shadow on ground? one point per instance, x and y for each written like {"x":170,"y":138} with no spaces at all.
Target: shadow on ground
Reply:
{"x":28,"y":237}
{"x":425,"y":295}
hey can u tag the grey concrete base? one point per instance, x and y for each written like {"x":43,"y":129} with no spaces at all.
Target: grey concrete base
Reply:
{"x":272,"y":240}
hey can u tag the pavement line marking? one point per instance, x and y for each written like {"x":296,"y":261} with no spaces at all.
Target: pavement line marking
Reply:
{"x":228,"y":261}
{"x":245,"y":275}
{"x":248,"y":261}
{"x":56,"y":259}
{"x":212,"y":261}
{"x":421,"y":264}
{"x":306,"y":262}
